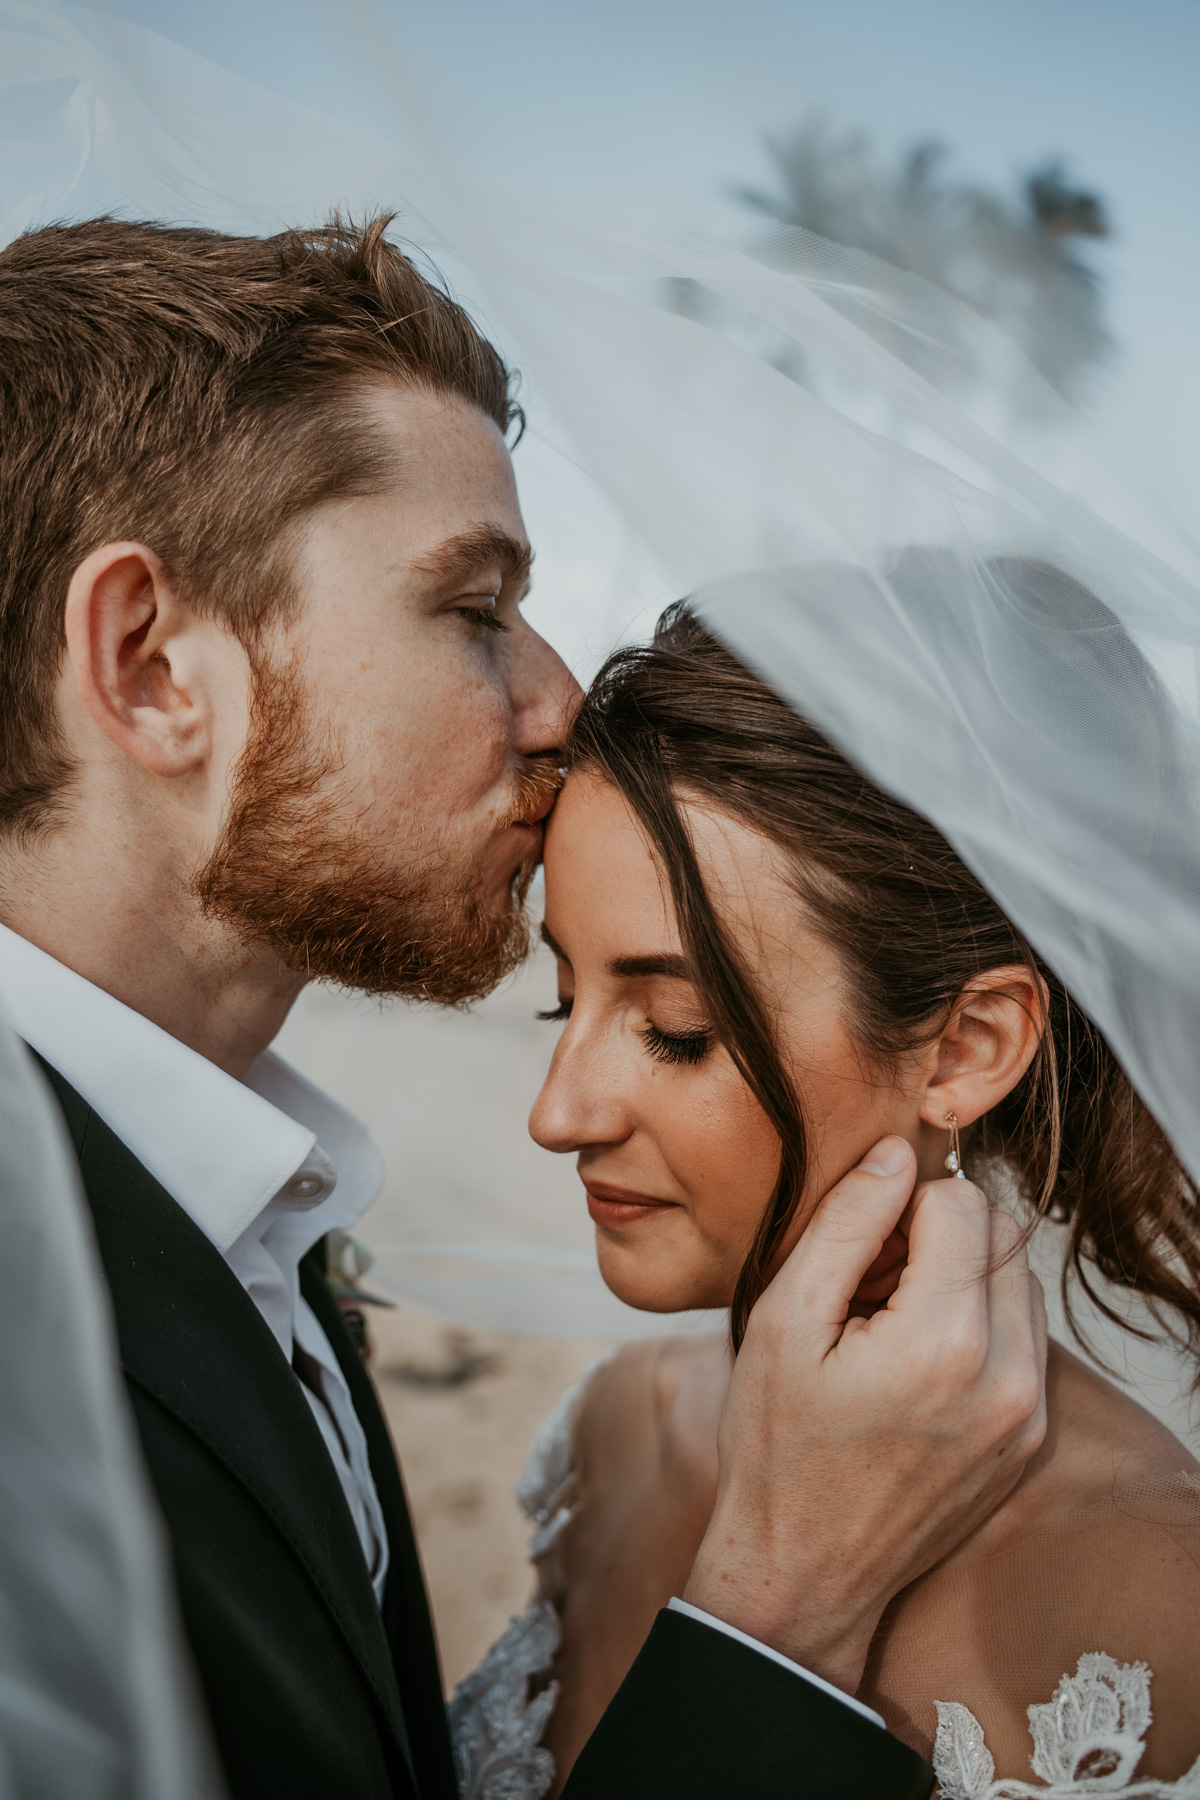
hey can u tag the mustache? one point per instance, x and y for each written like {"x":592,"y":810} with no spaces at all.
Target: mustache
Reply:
{"x":539,"y":780}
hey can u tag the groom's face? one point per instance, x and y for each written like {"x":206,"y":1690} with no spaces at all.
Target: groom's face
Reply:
{"x":408,"y":726}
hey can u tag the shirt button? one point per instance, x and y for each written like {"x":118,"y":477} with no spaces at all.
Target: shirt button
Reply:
{"x":305,"y":1185}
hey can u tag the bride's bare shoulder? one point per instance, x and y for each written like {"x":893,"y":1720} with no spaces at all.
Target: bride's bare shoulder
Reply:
{"x":1097,"y":1554}
{"x":652,"y":1410}
{"x":1099,"y":1442}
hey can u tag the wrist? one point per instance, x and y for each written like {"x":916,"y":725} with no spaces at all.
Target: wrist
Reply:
{"x":803,"y":1614}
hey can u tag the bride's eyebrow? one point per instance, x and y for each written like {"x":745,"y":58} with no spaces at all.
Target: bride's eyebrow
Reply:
{"x":665,"y":962}
{"x":552,"y":943}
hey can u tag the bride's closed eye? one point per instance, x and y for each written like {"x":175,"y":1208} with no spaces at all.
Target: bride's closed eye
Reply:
{"x":689,"y":1047}
{"x":676,"y":1047}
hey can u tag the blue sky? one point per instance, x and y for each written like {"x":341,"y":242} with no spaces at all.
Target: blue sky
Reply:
{"x":657,"y":108}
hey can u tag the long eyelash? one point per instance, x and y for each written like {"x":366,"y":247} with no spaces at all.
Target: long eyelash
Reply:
{"x":692,"y":1048}
{"x":483,"y":616}
{"x":556,"y":1013}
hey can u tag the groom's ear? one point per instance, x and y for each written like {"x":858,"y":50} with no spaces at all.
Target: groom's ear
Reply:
{"x":988,"y":1043}
{"x":139,"y":660}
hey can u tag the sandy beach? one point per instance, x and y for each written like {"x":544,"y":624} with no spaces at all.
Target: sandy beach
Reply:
{"x":463,"y":1406}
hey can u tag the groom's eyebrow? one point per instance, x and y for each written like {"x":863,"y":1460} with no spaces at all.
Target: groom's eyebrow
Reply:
{"x":477,"y":551}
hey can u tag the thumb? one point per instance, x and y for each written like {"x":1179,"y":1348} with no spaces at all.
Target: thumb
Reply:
{"x":843,"y":1238}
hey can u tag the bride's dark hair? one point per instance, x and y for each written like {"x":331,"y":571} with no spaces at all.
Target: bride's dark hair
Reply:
{"x":683,"y":718}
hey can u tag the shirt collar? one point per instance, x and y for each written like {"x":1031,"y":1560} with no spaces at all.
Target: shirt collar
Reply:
{"x":220,"y":1147}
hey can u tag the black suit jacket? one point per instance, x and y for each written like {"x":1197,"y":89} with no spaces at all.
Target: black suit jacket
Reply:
{"x":313,"y":1691}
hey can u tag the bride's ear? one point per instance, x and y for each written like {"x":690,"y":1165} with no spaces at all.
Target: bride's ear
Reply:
{"x":988,"y":1043}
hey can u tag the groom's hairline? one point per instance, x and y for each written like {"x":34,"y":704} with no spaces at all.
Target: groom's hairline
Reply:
{"x":207,"y":405}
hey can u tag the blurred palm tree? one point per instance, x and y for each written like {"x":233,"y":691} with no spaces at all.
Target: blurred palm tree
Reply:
{"x":1014,"y":259}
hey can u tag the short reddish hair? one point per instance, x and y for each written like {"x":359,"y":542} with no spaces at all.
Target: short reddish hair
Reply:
{"x":193,"y":392}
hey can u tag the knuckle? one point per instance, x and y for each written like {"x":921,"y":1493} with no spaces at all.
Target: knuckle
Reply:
{"x":955,"y":1364}
{"x":1017,"y":1395}
{"x":769,"y":1329}
{"x":849,"y":1211}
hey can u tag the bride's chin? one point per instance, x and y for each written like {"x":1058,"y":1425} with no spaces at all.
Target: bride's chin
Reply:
{"x":651,"y":1290}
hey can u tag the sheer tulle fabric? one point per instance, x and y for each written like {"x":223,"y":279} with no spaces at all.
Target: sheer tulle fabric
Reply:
{"x":954,"y":618}
{"x":95,"y":1698}
{"x":866,"y":533}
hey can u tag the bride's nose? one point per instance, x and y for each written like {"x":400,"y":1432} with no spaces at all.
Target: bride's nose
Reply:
{"x":580,"y":1102}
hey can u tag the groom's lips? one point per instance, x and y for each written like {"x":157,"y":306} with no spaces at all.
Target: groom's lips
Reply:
{"x":540,"y":812}
{"x":618,"y":1207}
{"x":535,"y":819}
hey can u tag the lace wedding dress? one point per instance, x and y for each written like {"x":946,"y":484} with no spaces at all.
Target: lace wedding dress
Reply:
{"x":496,"y":1719}
{"x":1087,"y":1738}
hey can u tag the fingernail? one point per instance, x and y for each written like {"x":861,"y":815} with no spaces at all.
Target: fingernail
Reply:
{"x":887,"y":1157}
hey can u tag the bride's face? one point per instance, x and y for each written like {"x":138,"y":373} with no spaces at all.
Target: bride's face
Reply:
{"x":677,"y":1157}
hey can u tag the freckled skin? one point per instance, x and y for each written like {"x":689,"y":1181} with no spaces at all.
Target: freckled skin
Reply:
{"x":431,"y":709}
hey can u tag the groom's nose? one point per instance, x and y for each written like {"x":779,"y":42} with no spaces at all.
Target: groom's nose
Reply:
{"x":544,"y":695}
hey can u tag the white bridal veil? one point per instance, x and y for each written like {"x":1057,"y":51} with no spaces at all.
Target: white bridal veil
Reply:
{"x":862,"y":534}
{"x":94,"y":1701}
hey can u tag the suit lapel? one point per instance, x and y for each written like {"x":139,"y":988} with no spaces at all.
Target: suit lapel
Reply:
{"x":192,"y":1339}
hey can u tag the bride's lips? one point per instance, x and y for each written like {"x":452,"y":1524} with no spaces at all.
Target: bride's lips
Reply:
{"x":616,"y":1207}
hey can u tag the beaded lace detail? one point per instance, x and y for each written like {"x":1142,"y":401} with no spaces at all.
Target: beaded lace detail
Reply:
{"x":1087,"y":1741}
{"x":495,"y":1727}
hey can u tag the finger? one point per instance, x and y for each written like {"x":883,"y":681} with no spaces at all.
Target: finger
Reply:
{"x":1015,"y":1298}
{"x":1010,"y":1302}
{"x":943,"y":1284}
{"x":1017,"y":1332}
{"x":845,"y":1236}
{"x":1041,"y":1345}
{"x":883,"y":1276}
{"x":1041,"y":1324}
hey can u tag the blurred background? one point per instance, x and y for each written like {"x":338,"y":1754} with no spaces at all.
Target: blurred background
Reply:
{"x":669,"y":113}
{"x":1039,"y":161}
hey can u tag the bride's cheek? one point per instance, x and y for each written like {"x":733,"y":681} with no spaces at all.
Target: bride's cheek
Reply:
{"x":732,"y":1153}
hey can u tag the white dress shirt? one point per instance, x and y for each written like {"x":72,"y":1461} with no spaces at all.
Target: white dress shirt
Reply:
{"x":265,"y":1167}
